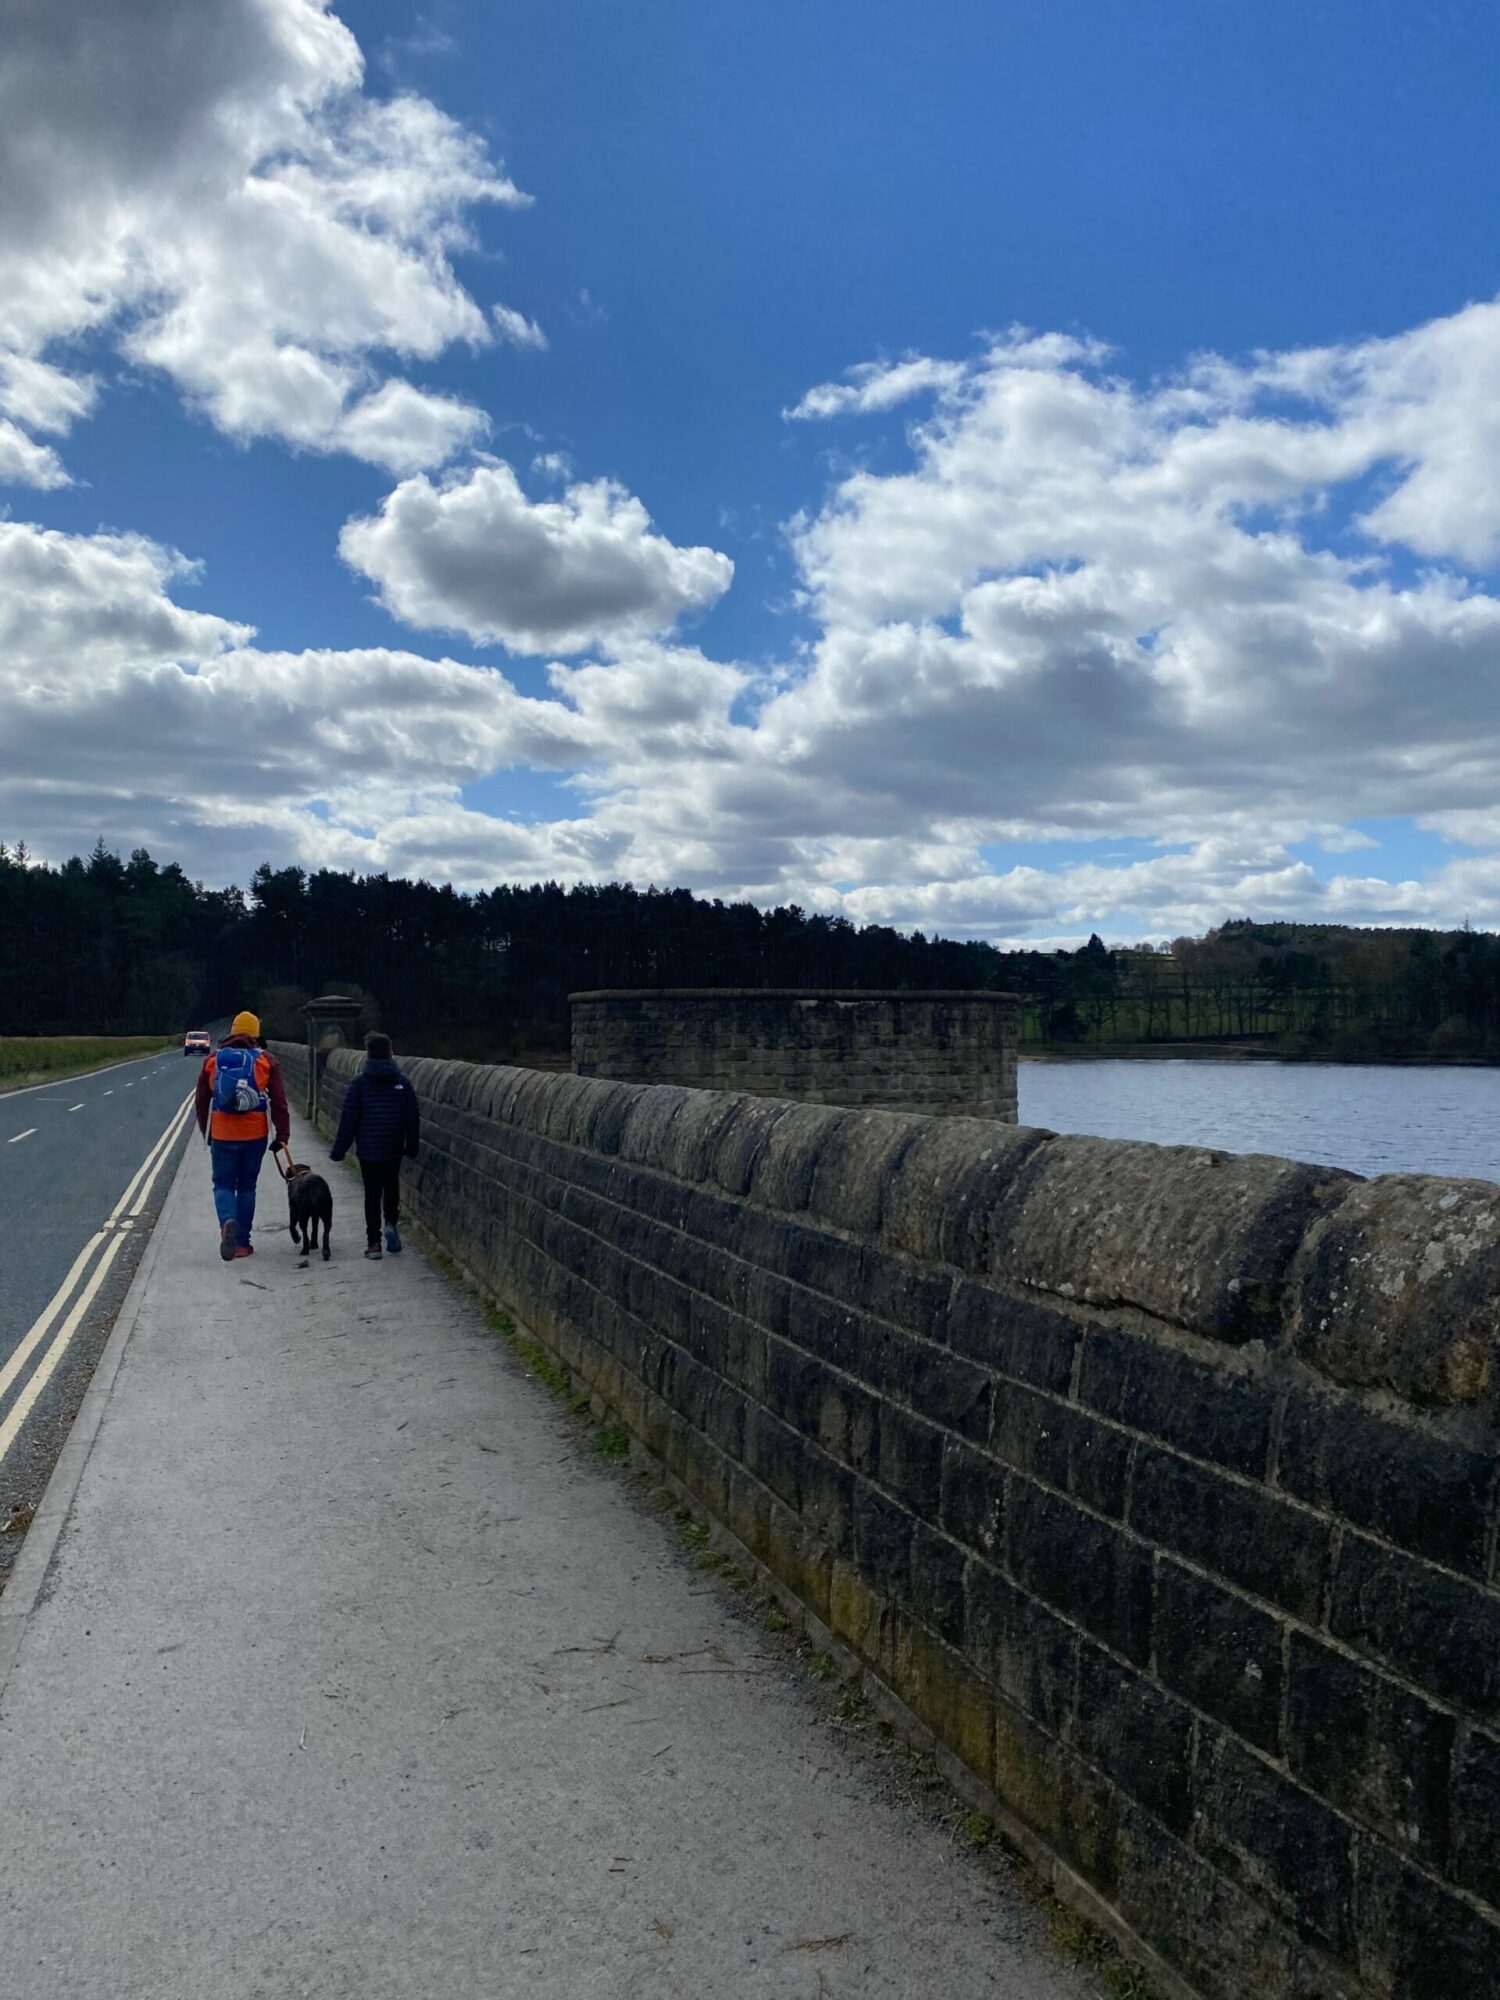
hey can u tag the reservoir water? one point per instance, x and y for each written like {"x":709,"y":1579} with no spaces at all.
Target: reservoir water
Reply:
{"x":1375,"y":1121}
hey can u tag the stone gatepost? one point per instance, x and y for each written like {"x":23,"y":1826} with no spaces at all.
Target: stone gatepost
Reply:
{"x":327,"y":1018}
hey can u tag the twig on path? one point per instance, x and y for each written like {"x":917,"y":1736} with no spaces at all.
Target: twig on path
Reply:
{"x":599,"y":1646}
{"x":835,"y":1943}
{"x":302,"y":1741}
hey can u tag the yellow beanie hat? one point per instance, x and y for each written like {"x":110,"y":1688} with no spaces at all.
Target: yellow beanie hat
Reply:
{"x":245,"y":1024}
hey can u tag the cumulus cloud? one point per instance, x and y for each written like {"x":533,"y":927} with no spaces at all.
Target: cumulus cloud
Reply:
{"x":472,"y":554}
{"x":403,"y":429}
{"x":876,"y":385}
{"x":131,"y":713}
{"x":24,"y":462}
{"x":516,"y":328}
{"x":214,"y":185}
{"x":1090,"y":608}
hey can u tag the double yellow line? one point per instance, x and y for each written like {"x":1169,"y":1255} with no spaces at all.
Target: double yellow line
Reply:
{"x":100,"y":1251}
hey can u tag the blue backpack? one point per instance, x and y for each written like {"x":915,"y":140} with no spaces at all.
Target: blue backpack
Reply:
{"x":234,"y":1081}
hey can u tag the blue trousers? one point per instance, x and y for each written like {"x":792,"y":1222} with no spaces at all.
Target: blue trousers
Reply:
{"x":236,"y":1170}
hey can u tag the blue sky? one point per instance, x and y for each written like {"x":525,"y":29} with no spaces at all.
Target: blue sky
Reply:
{"x":727,"y":208}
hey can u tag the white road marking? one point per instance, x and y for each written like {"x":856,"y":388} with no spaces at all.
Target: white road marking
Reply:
{"x":110,"y":1236}
{"x":75,"y":1107}
{"x":104,"y":1069}
{"x":22,"y":1407}
{"x":20,"y":1136}
{"x":154,"y":1157}
{"x":109,"y":1093}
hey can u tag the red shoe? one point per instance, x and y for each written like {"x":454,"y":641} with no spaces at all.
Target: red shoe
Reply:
{"x":245,"y":1250}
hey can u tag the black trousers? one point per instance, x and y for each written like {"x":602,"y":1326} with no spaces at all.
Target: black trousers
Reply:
{"x":382,"y":1179}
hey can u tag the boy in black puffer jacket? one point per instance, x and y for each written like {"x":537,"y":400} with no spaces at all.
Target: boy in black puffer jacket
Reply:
{"x":381,"y":1121}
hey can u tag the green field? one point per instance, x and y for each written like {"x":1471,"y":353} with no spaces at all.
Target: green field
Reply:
{"x":36,"y":1058}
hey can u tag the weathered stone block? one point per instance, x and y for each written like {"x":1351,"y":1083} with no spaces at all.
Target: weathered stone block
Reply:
{"x":911,"y":1460}
{"x":1476,"y":1818}
{"x":1028,"y":1771}
{"x":1434,"y":1495}
{"x":951,"y":1178}
{"x":1081,"y":1566}
{"x":1062,"y":1446}
{"x":1433,"y":1629}
{"x":882,"y":1541}
{"x":854,"y":1609}
{"x":936,"y":1592}
{"x":1276,"y":1840}
{"x":971,"y":1505}
{"x":1222,"y":1654}
{"x":773,"y":1451}
{"x":1398,"y":1287}
{"x":913,"y":1296}
{"x":1214,"y":1410}
{"x":855,"y":1162}
{"x":1014,"y":1336}
{"x":1415,"y":1939}
{"x":1023,"y":1648}
{"x":1202,"y":1239}
{"x":827,"y":1501}
{"x":1370,"y":1748}
{"x":1241,"y":1532}
{"x":1138,"y":1735}
{"x":782,"y":1176}
{"x":1219,"y":1937}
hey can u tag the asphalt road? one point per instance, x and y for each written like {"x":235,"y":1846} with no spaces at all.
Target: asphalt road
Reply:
{"x":85,"y":1164}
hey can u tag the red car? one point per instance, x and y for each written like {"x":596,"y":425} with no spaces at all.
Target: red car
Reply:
{"x":196,"y":1042}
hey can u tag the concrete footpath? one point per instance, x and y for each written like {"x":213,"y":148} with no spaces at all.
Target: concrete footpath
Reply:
{"x":354,"y":1673}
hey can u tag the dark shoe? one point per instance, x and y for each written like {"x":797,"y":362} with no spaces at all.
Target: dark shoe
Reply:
{"x":372,"y":1249}
{"x":392,"y":1239}
{"x":245,"y":1250}
{"x":227,"y":1236}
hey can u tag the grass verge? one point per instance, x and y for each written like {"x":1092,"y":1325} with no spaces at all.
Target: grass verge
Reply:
{"x":28,"y":1059}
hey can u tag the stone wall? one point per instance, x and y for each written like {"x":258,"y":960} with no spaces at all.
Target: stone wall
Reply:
{"x":948,"y":1054}
{"x":1160,"y":1485}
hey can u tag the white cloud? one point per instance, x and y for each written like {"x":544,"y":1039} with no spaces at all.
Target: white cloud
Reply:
{"x":1090,"y":609}
{"x":43,"y":397}
{"x":516,"y":328}
{"x":876,"y":385}
{"x":130,"y":714}
{"x":474,"y":555}
{"x":216,"y":187}
{"x":24,"y":462}
{"x":403,"y":429}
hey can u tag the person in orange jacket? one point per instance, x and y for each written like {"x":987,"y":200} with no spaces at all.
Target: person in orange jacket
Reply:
{"x":241,"y":1096}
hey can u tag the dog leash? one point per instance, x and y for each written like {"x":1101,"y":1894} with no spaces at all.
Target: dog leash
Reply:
{"x":290,"y":1161}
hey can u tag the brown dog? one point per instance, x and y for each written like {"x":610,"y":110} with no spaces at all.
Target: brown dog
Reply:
{"x":309,"y":1201}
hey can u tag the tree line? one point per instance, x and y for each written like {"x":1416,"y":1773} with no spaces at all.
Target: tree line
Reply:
{"x":102,"y":945}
